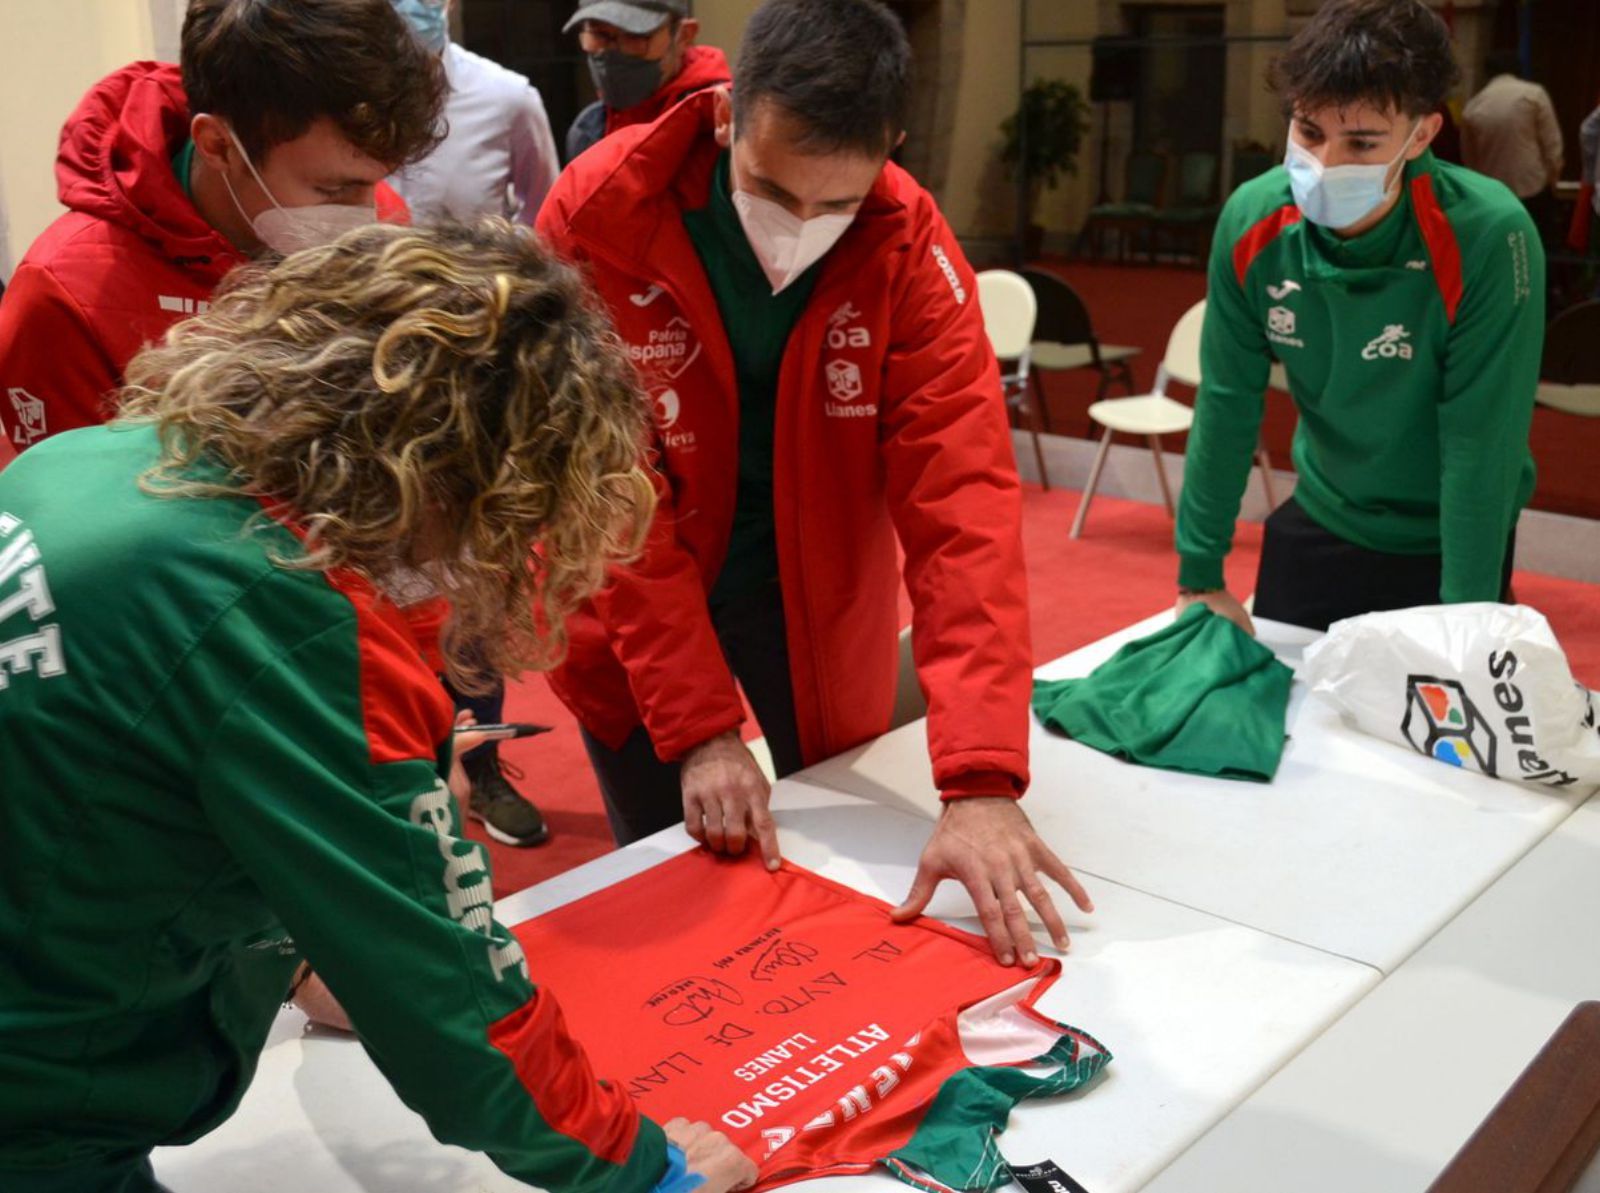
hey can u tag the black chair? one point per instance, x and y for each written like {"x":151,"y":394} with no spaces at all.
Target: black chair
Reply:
{"x":1569,"y":373}
{"x":1250,"y":164}
{"x":1144,"y":178}
{"x":1194,"y":211}
{"x":1063,"y":339}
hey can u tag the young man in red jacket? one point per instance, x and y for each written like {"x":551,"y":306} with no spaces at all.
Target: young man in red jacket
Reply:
{"x":810,"y":337}
{"x":276,"y":132}
{"x":643,"y":59}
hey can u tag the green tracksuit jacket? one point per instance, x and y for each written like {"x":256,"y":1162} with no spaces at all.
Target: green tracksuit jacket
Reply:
{"x":210,"y":765}
{"x":1412,"y":353}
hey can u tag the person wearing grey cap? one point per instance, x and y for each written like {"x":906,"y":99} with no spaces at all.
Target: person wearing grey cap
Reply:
{"x":643,"y":59}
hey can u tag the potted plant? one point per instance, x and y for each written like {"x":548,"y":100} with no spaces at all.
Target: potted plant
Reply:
{"x":1043,"y":136}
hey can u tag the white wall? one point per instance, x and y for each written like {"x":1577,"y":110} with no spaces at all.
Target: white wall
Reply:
{"x":51,"y":51}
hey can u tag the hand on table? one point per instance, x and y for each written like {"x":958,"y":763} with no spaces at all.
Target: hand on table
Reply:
{"x":321,"y":1007}
{"x":725,"y":798}
{"x":710,"y":1155}
{"x":988,"y":845}
{"x":1223,"y":603}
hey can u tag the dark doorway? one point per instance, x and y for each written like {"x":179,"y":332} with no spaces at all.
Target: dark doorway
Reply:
{"x":525,"y":36}
{"x":1177,"y":106}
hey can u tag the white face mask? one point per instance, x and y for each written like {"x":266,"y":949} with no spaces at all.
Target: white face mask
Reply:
{"x":1339,"y":196}
{"x":785,"y":244}
{"x":289,"y":229}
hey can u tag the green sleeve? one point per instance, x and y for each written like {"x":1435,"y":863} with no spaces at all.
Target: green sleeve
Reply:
{"x":360,"y":860}
{"x":1234,"y":363}
{"x":1491,"y":371}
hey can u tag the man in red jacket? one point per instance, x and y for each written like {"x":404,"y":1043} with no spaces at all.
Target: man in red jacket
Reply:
{"x":809,"y":334}
{"x":643,"y":59}
{"x":277,"y":131}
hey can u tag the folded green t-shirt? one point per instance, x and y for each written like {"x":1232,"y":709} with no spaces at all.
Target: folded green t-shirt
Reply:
{"x":1201,"y":696}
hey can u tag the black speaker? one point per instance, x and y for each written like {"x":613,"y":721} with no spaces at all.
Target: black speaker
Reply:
{"x":1114,"y":74}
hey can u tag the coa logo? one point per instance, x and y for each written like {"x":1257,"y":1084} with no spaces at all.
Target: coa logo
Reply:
{"x":840,"y":335}
{"x":1390,"y":345}
{"x":1442,"y":722}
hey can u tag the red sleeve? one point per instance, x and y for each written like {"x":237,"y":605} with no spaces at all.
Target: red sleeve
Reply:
{"x":390,"y":206}
{"x":956,"y":501}
{"x":54,"y":371}
{"x":654,"y":610}
{"x":1582,"y":214}
{"x":660,"y":626}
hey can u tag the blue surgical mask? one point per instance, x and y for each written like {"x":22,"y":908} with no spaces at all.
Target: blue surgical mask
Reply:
{"x":1339,"y":196}
{"x":429,"y":20}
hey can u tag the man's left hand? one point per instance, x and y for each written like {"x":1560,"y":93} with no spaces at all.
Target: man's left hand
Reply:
{"x":988,"y":845}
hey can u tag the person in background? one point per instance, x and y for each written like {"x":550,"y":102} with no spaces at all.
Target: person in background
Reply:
{"x":498,"y":156}
{"x":1588,"y":204}
{"x":1509,"y":131}
{"x":266,"y":780}
{"x":823,"y":387}
{"x":275,"y":131}
{"x":1405,"y":298}
{"x":643,"y":59}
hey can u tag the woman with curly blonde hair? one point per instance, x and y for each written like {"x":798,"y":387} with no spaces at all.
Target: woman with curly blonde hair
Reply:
{"x":221,"y":748}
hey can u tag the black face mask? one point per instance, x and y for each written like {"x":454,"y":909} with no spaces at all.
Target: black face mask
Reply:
{"x":623,"y":80}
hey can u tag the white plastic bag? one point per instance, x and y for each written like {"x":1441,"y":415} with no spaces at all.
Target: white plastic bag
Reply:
{"x":1482,"y":686}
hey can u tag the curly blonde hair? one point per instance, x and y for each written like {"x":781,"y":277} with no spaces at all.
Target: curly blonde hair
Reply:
{"x":446,"y":401}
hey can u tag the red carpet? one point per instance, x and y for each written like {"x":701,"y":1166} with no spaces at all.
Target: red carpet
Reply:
{"x":1137,"y":305}
{"x":1121,"y":571}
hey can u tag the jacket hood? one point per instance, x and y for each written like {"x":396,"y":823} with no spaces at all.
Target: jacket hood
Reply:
{"x":703,"y":66}
{"x":115,"y":163}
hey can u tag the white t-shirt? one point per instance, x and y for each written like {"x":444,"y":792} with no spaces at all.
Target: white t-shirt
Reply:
{"x":1509,"y":131}
{"x":499,"y":157}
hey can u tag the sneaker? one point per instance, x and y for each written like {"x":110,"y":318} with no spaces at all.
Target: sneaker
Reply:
{"x":506,"y":815}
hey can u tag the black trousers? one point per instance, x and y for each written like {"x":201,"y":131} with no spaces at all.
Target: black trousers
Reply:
{"x":643,"y":794}
{"x":1311,"y":577}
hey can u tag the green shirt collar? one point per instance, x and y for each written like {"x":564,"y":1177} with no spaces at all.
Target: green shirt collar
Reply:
{"x":183,"y":165}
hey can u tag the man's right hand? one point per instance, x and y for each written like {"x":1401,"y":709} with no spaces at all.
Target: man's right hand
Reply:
{"x":725,"y":798}
{"x":712,"y":1156}
{"x":1221,"y":602}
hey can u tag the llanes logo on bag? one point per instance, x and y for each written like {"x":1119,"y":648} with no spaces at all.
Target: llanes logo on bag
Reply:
{"x":1442,"y":722}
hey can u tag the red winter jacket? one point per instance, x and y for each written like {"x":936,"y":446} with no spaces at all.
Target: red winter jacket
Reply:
{"x":131,"y":257}
{"x":703,"y":66}
{"x":890,"y":420}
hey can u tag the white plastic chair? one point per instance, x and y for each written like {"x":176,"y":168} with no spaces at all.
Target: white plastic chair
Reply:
{"x":1570,"y":399}
{"x":1153,"y":415}
{"x":1009,"y":313}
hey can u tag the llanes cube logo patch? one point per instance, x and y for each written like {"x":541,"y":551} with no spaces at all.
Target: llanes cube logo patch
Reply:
{"x":1442,"y":722}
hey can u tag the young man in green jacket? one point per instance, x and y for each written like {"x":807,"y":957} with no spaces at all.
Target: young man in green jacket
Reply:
{"x":1405,"y":299}
{"x":222,"y":751}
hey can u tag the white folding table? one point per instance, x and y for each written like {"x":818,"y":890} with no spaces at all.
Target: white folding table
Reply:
{"x":1235,"y":923}
{"x":1359,"y":847}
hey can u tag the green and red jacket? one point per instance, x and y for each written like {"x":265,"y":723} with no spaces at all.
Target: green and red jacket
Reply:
{"x":1412,"y":353}
{"x":211,"y":765}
